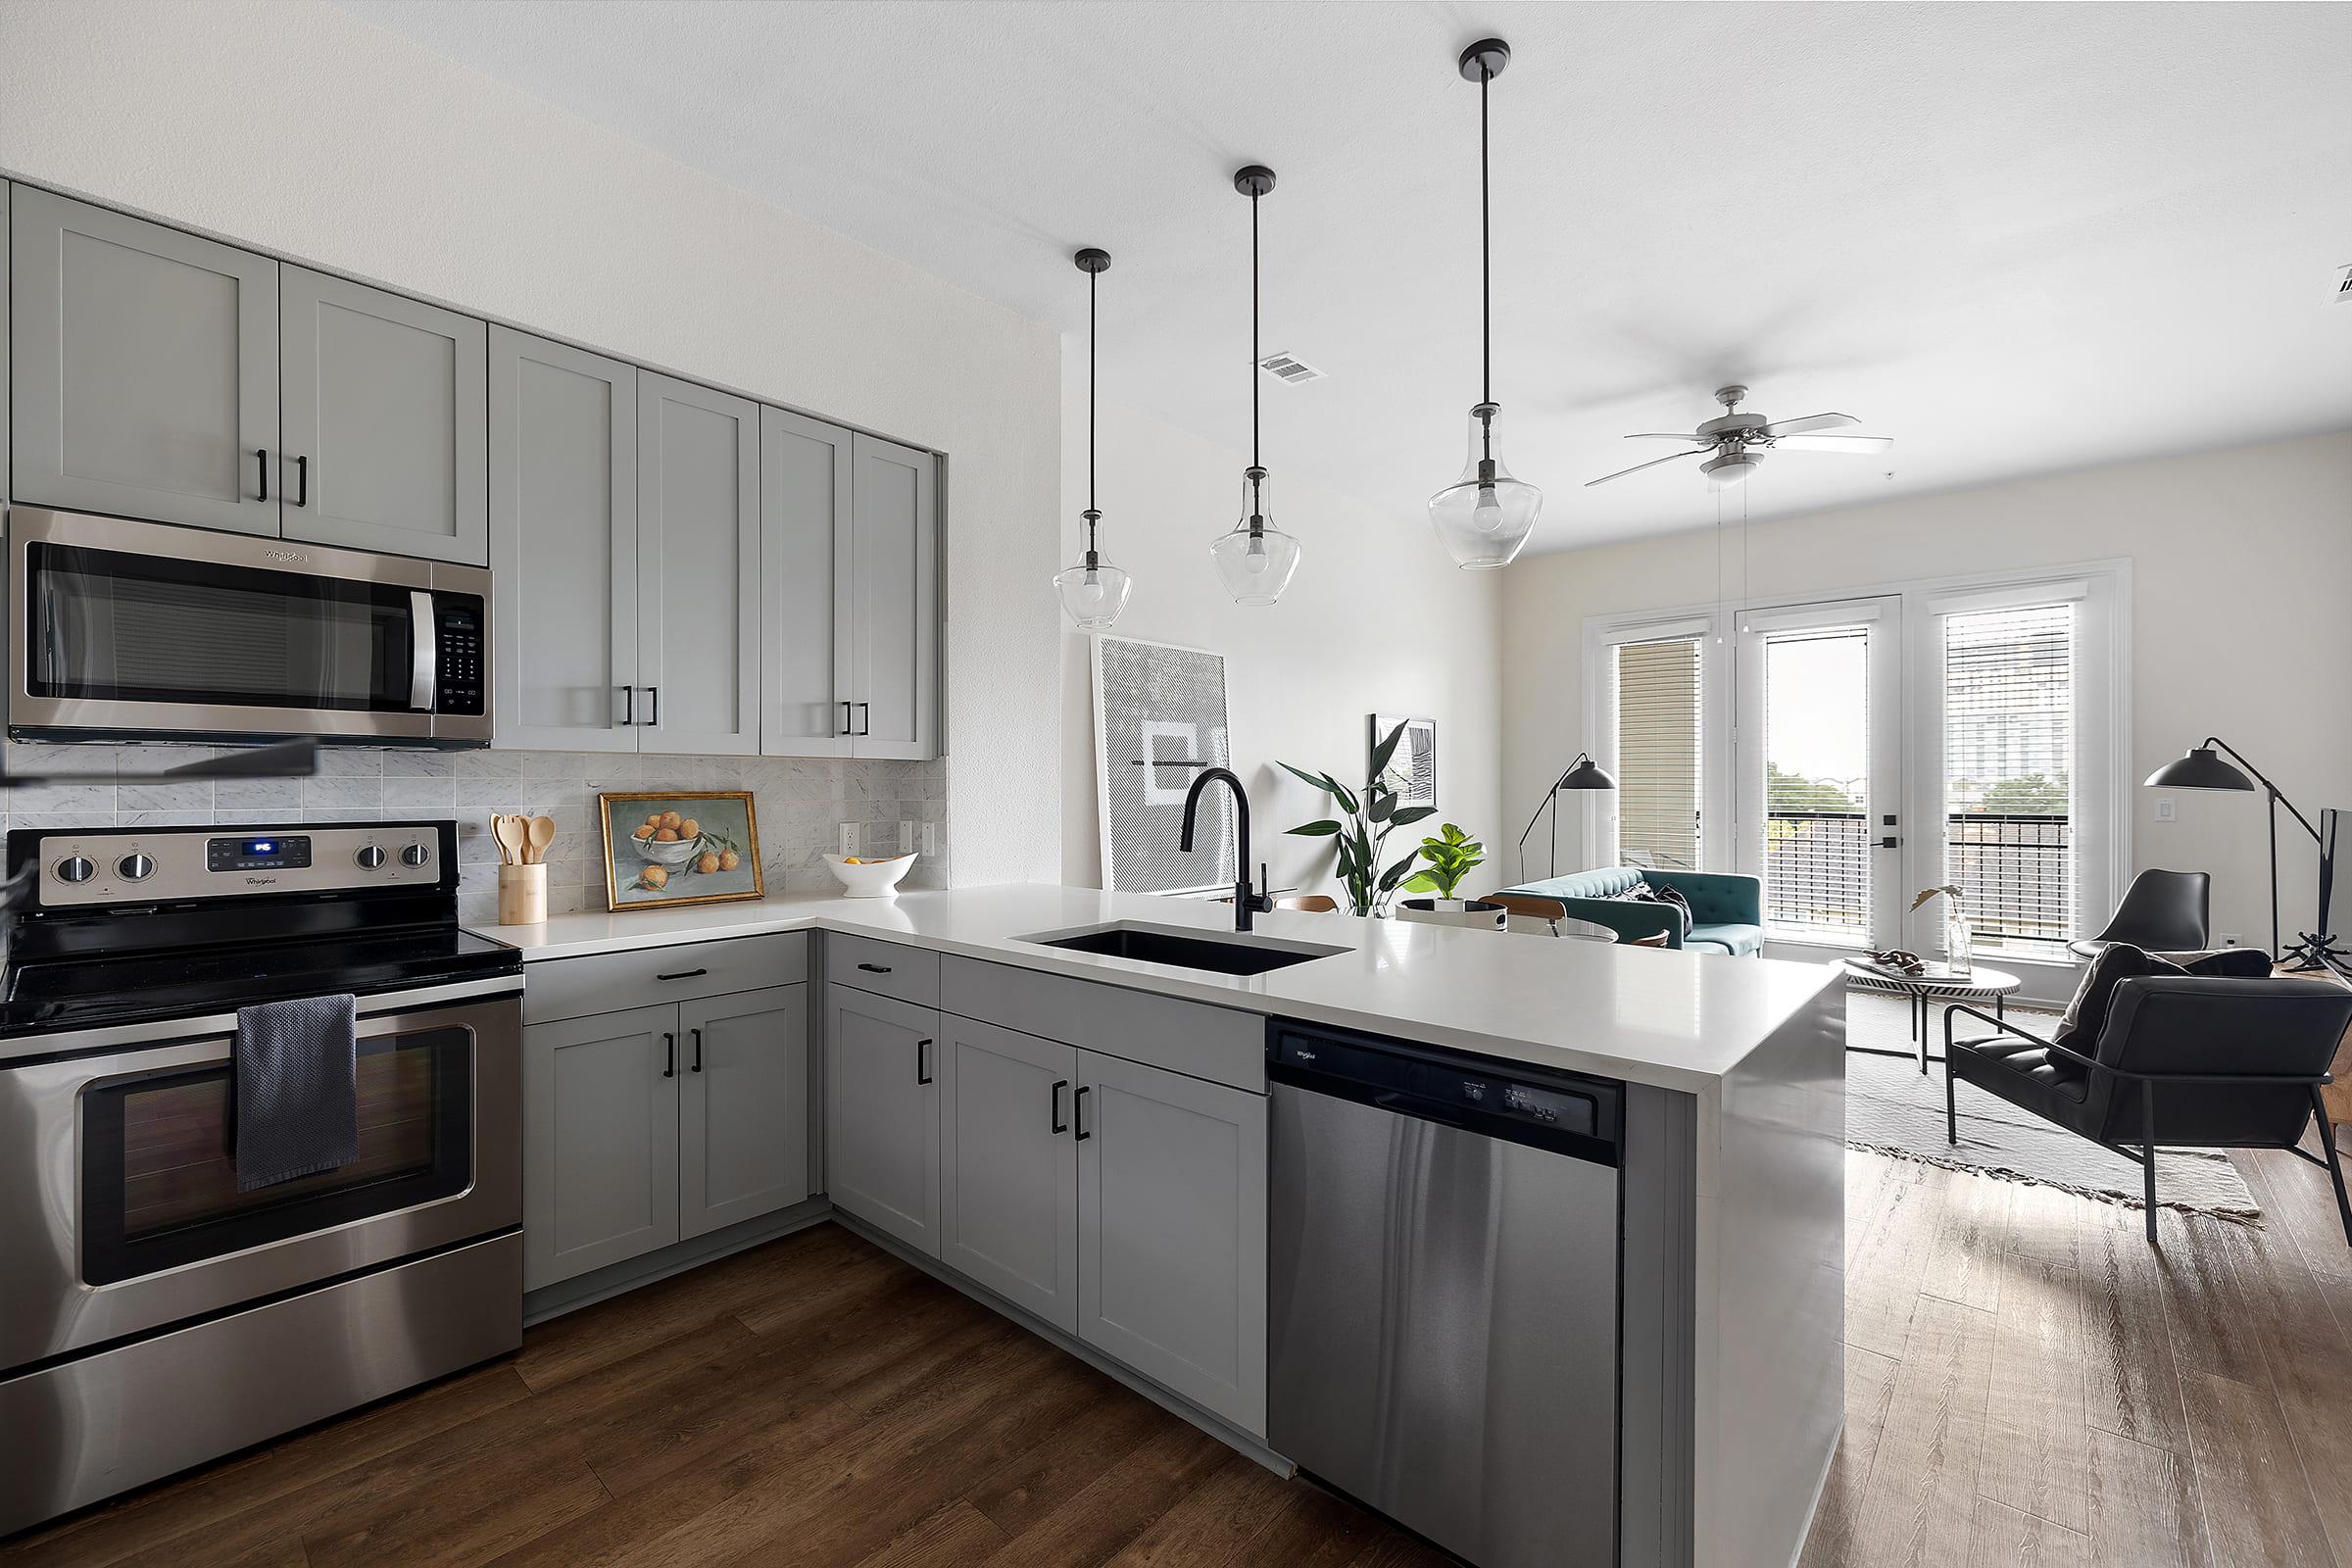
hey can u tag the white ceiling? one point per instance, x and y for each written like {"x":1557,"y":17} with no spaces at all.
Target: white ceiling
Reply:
{"x":2017,"y":238}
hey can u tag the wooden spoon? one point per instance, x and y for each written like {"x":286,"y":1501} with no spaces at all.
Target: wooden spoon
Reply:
{"x":543,"y":833}
{"x":512,"y":836}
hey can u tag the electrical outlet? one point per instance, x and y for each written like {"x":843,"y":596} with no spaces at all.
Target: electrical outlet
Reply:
{"x":2229,"y":939}
{"x":906,"y":836}
{"x":848,"y":840}
{"x":2164,"y":807}
{"x":931,"y":839}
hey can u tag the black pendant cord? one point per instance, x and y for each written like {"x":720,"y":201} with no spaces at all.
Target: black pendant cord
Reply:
{"x":1486,"y":272}
{"x":1093,"y":516}
{"x":1253,"y":347}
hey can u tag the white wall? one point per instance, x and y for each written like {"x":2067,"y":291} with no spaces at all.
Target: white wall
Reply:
{"x":2242,"y":627}
{"x":1378,"y":619}
{"x":290,"y":125}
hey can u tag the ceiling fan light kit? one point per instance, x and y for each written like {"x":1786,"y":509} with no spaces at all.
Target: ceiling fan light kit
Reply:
{"x":1735,"y":443}
{"x":1255,"y":559}
{"x":1094,"y":591}
{"x":1485,"y":516}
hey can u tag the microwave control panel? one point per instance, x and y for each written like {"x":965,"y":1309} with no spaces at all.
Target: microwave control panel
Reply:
{"x":459,"y":622}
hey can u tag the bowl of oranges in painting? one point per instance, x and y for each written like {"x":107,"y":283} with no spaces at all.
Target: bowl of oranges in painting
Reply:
{"x":681,"y":849}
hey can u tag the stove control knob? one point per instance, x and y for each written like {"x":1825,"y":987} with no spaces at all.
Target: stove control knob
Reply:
{"x":415,"y":855}
{"x":135,"y":868}
{"x":76,"y":868}
{"x":369,"y":857}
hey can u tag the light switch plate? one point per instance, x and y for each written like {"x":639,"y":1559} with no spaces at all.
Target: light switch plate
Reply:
{"x":931,"y":839}
{"x":906,"y":836}
{"x":848,"y":840}
{"x":2164,"y":807}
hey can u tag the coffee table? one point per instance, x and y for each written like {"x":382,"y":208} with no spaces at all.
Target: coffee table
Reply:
{"x":1979,"y":984}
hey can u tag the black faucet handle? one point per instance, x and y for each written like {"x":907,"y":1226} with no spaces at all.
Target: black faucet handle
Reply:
{"x":1262,"y":897}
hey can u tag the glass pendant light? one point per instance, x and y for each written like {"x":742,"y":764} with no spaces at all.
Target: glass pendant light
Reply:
{"x":1255,"y":560}
{"x":1092,"y":592}
{"x":1485,"y":516}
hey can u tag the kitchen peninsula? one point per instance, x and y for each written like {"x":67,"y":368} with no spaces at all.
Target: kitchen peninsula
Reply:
{"x":917,"y":1029}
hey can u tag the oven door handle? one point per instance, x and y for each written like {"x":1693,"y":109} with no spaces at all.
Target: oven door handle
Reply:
{"x":424,"y":654}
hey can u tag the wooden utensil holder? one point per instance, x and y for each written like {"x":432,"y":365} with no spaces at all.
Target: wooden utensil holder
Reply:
{"x":522,"y":894}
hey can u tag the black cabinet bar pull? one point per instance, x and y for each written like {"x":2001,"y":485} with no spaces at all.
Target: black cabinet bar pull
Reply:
{"x":865,"y":718}
{"x":875,"y":969}
{"x":698,"y":1048}
{"x":1078,"y":1104}
{"x":669,"y":1063}
{"x":923,"y":1073}
{"x":302,"y":480}
{"x":845,"y":717}
{"x":1054,"y":1106}
{"x":653,"y":705}
{"x":682,"y":974}
{"x":261,"y":465}
{"x":628,"y":714}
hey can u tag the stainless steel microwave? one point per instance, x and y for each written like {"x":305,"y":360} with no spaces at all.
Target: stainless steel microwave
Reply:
{"x":141,"y":631}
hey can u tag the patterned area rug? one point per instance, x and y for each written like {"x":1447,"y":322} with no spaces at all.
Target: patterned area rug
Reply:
{"x":1891,"y":1109}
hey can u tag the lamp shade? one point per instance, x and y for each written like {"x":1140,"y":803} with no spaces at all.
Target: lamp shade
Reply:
{"x":1587,"y":774}
{"x":2201,"y":769}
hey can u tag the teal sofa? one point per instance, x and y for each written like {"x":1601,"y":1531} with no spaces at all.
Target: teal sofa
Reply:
{"x":1727,"y":911}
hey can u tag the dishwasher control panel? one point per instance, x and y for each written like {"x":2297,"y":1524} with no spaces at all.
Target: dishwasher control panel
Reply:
{"x":1442,"y":1085}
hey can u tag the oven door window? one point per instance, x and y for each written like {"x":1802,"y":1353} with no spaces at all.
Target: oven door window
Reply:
{"x":159,"y":1174}
{"x":112,"y":627}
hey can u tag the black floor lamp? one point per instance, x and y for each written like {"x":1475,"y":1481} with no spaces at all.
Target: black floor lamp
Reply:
{"x":1583,"y":775}
{"x":2201,"y":769}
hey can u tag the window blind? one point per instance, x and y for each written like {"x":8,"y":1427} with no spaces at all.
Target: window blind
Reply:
{"x":1816,"y":785}
{"x":1658,"y":751}
{"x":2008,"y":773}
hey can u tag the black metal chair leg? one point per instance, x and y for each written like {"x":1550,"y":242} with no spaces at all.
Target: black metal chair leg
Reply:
{"x":2335,"y":1168}
{"x":2147,"y":1151}
{"x":1951,"y":1108}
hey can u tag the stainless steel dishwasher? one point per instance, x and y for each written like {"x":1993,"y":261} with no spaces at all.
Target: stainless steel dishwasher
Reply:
{"x":1445,"y":1286}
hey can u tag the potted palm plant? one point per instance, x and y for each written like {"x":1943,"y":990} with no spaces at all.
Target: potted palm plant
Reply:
{"x":1363,"y":833}
{"x":1451,"y":854}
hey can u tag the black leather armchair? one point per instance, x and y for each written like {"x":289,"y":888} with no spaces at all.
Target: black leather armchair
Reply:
{"x":2182,"y":1062}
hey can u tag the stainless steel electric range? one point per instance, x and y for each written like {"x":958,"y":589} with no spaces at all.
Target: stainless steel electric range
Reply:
{"x":151,"y":1316}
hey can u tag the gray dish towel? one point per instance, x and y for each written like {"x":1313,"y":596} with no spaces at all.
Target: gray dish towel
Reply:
{"x":297,"y":1106}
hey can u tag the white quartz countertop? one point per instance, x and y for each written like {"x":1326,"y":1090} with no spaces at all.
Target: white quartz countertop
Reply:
{"x":1678,"y":1021}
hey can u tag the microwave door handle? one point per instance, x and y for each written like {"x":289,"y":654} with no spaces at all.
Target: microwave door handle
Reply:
{"x":425,"y":663}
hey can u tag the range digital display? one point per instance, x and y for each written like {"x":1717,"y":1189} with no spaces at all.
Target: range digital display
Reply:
{"x":261,"y":851}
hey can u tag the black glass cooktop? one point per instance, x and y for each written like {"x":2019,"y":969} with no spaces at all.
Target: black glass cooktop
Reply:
{"x":87,"y":989}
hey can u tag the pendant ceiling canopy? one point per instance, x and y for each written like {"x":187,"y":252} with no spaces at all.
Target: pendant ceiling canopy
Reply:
{"x":1255,"y":559}
{"x":1484,"y":516}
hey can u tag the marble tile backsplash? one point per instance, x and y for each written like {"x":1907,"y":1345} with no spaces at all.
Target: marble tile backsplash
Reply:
{"x":801,"y":804}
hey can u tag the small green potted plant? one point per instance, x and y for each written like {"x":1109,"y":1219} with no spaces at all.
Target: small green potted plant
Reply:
{"x":1451,"y":854}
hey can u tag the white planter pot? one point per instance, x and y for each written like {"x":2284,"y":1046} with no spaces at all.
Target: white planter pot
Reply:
{"x":1475,"y":913}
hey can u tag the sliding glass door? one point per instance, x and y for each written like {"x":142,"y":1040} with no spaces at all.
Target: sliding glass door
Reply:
{"x":1817,"y":756}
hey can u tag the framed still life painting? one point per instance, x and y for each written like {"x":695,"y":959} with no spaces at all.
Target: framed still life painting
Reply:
{"x":685,"y":846}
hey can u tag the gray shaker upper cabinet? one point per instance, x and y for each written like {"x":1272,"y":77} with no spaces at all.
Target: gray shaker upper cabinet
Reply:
{"x":562,"y":545}
{"x":894,"y":600}
{"x":385,"y":443}
{"x":698,"y":571}
{"x":804,"y":551}
{"x":145,"y":369}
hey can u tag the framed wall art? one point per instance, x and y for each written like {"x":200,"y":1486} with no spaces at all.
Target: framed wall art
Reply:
{"x":682,"y":847}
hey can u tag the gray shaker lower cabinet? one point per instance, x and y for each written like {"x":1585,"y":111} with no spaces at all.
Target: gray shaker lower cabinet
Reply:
{"x":882,"y":1113}
{"x":1008,"y":1166}
{"x":1172,"y":1232}
{"x":743,"y":1107}
{"x":600,"y":1182}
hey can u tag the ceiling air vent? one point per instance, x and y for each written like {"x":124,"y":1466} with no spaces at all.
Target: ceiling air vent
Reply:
{"x":1289,"y":370}
{"x":2343,"y":285}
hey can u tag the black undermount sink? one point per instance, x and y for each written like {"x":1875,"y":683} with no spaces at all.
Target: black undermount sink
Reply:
{"x":1176,"y":951}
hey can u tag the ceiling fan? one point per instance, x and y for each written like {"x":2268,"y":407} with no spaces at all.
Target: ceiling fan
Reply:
{"x":1735,"y":443}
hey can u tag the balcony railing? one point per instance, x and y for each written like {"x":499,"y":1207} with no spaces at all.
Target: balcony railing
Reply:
{"x":2015,"y":872}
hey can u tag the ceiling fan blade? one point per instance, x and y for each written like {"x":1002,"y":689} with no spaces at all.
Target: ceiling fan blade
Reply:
{"x":1662,"y":435}
{"x":1811,"y":421}
{"x":1832,"y":443}
{"x":1694,"y":452}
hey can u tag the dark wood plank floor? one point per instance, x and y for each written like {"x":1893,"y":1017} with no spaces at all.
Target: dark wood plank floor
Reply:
{"x":2027,"y":1382}
{"x":811,"y":1402}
